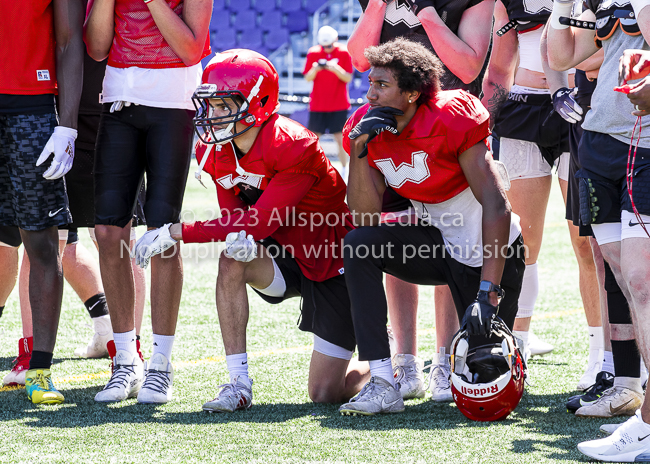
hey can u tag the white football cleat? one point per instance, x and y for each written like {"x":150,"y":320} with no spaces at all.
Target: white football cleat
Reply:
{"x":439,"y":378}
{"x":126,"y":379}
{"x":158,"y":381}
{"x":610,"y":428}
{"x":539,"y":347}
{"x":377,"y":396}
{"x":409,"y":379}
{"x":628,"y":443}
{"x":233,"y":396}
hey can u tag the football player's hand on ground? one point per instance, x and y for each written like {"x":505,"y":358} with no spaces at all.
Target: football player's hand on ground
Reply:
{"x":565,"y":104}
{"x":479,"y":316}
{"x":241,"y":247}
{"x":152,"y":243}
{"x":61,"y":144}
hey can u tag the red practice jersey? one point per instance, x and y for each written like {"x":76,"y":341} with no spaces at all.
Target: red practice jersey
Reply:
{"x":297,"y":197}
{"x":27,"y":48}
{"x":421,"y":163}
{"x":330,"y":93}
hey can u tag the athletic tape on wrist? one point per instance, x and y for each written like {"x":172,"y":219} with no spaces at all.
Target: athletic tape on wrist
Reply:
{"x":560,"y":9}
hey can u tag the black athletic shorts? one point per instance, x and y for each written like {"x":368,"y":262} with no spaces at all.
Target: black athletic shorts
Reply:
{"x":10,"y":235}
{"x":137,"y":140}
{"x":531,"y":118}
{"x":323,"y":121}
{"x":325,"y":306}
{"x":416,"y":254}
{"x":573,"y":187}
{"x":27,"y":199}
{"x":603,"y":178}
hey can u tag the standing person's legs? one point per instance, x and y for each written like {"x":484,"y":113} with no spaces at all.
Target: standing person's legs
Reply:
{"x":529,"y":192}
{"x":8,"y":262}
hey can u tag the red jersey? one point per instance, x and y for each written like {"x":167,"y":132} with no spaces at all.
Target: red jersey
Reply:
{"x":139,"y":42}
{"x":27,"y":48}
{"x":421,"y":163}
{"x":330,"y":93}
{"x":295,"y":196}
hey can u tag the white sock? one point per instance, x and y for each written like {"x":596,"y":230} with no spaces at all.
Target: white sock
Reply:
{"x":163,"y":344}
{"x":102,"y":324}
{"x":382,"y":368}
{"x":522,"y":335}
{"x":237,"y":365}
{"x":125,"y":341}
{"x":596,"y":338}
{"x":633,"y":383}
{"x":608,"y":362}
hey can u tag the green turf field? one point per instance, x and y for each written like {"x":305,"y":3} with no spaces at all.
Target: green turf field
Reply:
{"x":283,"y":425}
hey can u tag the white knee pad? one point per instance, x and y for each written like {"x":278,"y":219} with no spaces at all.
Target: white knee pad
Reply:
{"x":330,"y":349}
{"x":278,"y":286}
{"x":529,"y":291}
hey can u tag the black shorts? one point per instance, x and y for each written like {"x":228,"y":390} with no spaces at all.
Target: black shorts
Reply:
{"x":133,"y":141}
{"x":602,"y":179}
{"x":321,"y":122}
{"x":325,"y":306}
{"x":531,"y":118}
{"x":573,"y":187}
{"x":27,"y":199}
{"x":10,"y":235}
{"x":372,"y":251}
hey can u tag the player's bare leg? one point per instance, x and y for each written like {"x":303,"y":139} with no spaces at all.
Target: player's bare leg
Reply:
{"x":402,"y":300}
{"x":529,"y":198}
{"x":8,"y":271}
{"x":333,"y":380}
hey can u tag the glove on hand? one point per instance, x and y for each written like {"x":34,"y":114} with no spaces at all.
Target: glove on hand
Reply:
{"x":61,"y":144}
{"x":479,"y":316}
{"x":152,"y":243}
{"x":374,"y":122}
{"x":241,"y":247}
{"x":565,"y":105}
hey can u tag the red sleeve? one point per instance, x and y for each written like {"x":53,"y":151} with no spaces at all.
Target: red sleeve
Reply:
{"x":283,"y":193}
{"x":309,"y":62}
{"x":345,"y":61}
{"x":468,"y":123}
{"x":229,"y":202}
{"x":349,"y":125}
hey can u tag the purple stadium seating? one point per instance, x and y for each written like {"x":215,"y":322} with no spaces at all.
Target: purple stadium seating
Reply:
{"x":251,"y":39}
{"x":218,"y":5}
{"x":271,"y":20}
{"x":298,"y":21}
{"x":239,"y":5}
{"x":223,"y":39}
{"x":289,"y":6}
{"x":264,"y":5}
{"x":312,"y":5}
{"x":275,"y":38}
{"x":245,"y":20}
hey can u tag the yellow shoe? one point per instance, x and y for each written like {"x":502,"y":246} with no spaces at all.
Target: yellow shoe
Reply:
{"x":40,"y":389}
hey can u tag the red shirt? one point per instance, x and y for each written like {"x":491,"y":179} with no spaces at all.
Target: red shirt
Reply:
{"x":302,"y":201}
{"x":330,"y":93}
{"x":421,"y":163}
{"x":27,"y":48}
{"x":139,"y":42}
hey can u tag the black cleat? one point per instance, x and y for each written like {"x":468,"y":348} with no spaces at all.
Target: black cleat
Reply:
{"x":604,"y":380}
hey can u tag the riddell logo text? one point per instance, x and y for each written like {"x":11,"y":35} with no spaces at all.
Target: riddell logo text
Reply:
{"x":480,"y":391}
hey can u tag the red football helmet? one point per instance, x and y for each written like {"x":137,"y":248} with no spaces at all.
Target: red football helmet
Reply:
{"x":248,"y":80}
{"x":487,"y":381}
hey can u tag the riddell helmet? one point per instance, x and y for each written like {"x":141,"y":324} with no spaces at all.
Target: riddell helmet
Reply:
{"x":247,"y":79}
{"x":487,"y":381}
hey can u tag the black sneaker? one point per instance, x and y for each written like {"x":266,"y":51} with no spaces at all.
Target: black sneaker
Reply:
{"x":604,"y":380}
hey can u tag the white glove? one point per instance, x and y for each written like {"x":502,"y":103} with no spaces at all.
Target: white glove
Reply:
{"x":240,"y":247}
{"x":565,"y":104}
{"x":118,"y":105}
{"x":61,"y":143}
{"x":152,"y":243}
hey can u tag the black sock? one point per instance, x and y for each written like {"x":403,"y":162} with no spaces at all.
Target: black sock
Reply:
{"x":1,"y":309}
{"x":40,"y":360}
{"x":627,"y":361}
{"x":96,"y":305}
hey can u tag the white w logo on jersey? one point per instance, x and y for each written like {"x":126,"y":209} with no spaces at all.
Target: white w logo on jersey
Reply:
{"x":416,"y":172}
{"x":537,"y":6}
{"x":228,"y":182}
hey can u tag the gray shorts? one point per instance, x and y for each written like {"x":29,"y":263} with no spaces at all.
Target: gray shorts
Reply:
{"x":27,"y":199}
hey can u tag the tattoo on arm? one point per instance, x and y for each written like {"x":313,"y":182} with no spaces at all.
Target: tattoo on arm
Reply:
{"x":499,"y":96}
